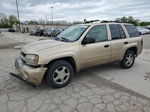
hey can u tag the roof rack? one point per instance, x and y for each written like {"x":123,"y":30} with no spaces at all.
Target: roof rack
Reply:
{"x":105,"y":21}
{"x":102,"y":21}
{"x":91,"y":21}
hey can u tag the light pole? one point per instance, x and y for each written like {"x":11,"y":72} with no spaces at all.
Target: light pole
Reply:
{"x":18,"y":13}
{"x":52,"y":13}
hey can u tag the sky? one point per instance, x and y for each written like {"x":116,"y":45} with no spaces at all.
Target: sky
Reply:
{"x":77,"y":10}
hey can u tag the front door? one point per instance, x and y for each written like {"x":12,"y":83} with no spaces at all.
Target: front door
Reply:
{"x":98,"y":52}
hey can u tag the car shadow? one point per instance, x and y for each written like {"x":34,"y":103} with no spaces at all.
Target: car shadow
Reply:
{"x":85,"y":74}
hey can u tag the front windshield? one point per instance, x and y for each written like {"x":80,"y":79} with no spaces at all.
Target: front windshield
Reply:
{"x":72,"y":33}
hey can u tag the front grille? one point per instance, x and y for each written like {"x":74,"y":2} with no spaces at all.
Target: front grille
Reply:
{"x":23,"y":56}
{"x":16,"y":64}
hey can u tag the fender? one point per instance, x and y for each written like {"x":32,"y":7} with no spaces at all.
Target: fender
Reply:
{"x":128,"y":46}
{"x":59,"y":55}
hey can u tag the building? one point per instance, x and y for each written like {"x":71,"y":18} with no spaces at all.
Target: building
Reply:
{"x":28,"y":28}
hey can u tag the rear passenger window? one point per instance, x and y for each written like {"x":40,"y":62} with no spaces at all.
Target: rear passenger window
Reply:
{"x":117,"y":32}
{"x":133,"y":32}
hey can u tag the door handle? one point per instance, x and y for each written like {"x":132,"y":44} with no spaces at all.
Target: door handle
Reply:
{"x":106,"y":46}
{"x":125,"y":42}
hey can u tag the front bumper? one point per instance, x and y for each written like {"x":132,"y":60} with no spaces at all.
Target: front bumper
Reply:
{"x":31,"y":74}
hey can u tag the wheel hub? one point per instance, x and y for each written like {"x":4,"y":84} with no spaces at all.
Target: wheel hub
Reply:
{"x":61,"y":75}
{"x":129,"y":59}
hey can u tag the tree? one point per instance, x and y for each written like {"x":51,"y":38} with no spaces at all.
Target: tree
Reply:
{"x":144,"y":23}
{"x":32,"y":22}
{"x":12,"y":20}
{"x":7,"y":22}
{"x":129,"y":19}
{"x":2,"y":16}
{"x":3,"y":21}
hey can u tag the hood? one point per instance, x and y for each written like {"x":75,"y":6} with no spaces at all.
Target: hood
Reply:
{"x":41,"y":45}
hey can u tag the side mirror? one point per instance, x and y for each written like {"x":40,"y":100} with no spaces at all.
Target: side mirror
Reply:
{"x":88,"y":41}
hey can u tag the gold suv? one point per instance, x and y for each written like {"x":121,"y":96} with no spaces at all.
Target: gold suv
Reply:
{"x":77,"y":47}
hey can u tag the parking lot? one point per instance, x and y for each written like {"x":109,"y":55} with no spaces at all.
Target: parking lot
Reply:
{"x":104,"y":88}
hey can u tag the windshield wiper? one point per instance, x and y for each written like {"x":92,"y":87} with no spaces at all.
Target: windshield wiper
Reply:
{"x":56,"y":38}
{"x":64,"y":39}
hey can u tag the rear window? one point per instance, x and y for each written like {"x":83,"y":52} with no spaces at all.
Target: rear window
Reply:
{"x":133,"y":32}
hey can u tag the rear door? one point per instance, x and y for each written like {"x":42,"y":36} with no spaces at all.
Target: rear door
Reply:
{"x":118,"y":41}
{"x":135,"y":38}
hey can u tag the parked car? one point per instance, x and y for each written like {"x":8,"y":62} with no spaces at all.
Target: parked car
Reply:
{"x":143,"y":30}
{"x":45,"y":32}
{"x":39,"y":32}
{"x":11,"y":30}
{"x":54,"y":33}
{"x":147,"y":27}
{"x":79,"y":46}
{"x":48,"y":32}
{"x":33,"y":32}
{"x":147,"y":30}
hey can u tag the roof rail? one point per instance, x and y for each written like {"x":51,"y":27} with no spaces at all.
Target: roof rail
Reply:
{"x":91,"y":21}
{"x":102,"y":21}
{"x":105,"y":21}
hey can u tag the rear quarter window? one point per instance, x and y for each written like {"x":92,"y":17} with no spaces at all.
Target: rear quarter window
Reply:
{"x":132,"y":31}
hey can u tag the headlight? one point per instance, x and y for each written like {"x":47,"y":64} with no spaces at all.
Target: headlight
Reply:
{"x":32,"y":59}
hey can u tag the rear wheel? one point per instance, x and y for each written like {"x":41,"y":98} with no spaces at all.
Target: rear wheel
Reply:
{"x":128,"y":59}
{"x":59,"y":74}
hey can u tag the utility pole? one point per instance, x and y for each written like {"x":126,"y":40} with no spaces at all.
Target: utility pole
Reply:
{"x":46,"y":19}
{"x":18,"y":13}
{"x":52,"y":13}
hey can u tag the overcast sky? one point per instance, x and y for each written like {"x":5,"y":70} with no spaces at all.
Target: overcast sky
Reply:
{"x":77,"y":10}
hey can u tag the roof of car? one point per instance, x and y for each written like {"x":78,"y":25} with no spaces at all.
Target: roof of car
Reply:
{"x":99,"y":23}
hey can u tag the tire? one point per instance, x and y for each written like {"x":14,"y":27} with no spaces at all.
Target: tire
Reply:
{"x":59,"y":74}
{"x":128,"y":59}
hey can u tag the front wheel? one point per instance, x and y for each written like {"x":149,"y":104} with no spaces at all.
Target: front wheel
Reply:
{"x":128,"y":59}
{"x":59,"y":74}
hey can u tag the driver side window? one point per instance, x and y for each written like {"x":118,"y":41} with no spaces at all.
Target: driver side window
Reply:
{"x":99,"y":33}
